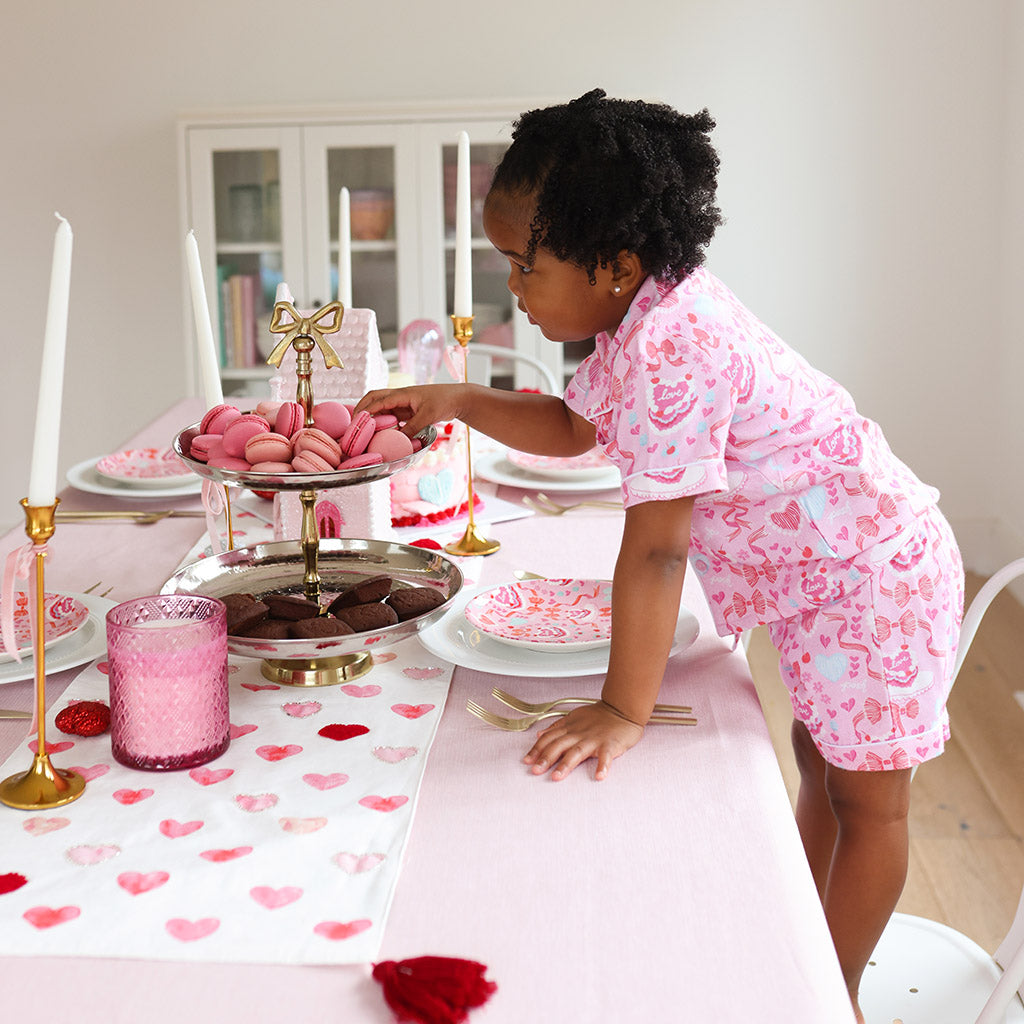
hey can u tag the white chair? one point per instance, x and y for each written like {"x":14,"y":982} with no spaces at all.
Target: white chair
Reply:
{"x":481,"y":364}
{"x":923,"y":972}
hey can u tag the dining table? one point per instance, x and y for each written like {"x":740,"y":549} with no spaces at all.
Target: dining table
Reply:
{"x":674,"y":890}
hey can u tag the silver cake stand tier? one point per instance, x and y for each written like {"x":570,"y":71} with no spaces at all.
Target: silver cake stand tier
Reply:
{"x":277,"y":568}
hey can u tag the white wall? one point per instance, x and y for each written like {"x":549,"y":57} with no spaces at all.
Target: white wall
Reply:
{"x":869,"y":152}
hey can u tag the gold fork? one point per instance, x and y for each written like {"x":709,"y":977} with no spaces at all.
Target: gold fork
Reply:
{"x":547,"y":507}
{"x":522,"y":724}
{"x":538,"y":709}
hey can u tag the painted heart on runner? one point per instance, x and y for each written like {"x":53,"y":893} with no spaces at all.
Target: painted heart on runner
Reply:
{"x":86,"y":854}
{"x":355,"y":863}
{"x":270,"y":752}
{"x":223,"y":856}
{"x":51,"y":748}
{"x":302,"y":826}
{"x":383,"y":657}
{"x":355,"y":690}
{"x":11,"y":881}
{"x":384,"y":803}
{"x":325,"y":782}
{"x":336,"y":930}
{"x":190,"y":931}
{"x":339,"y":731}
{"x":238,"y":731}
{"x":176,"y":829}
{"x":301,"y":709}
{"x":92,"y":772}
{"x":423,"y":673}
{"x":392,"y":755}
{"x":210,"y":776}
{"x":255,"y":802}
{"x":270,"y":898}
{"x":47,"y":917}
{"x":137,"y":883}
{"x":40,"y":826}
{"x":104,"y":667}
{"x":256,"y":687}
{"x":411,"y":710}
{"x":131,"y":796}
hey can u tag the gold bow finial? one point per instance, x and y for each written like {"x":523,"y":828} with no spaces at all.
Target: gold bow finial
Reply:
{"x":299,"y":326}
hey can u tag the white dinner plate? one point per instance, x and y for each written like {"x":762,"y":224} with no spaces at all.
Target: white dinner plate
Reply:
{"x":591,"y":465}
{"x":144,"y":468}
{"x":454,"y":639}
{"x":85,"y":478}
{"x":494,"y":466}
{"x":64,"y":614}
{"x":81,"y":647}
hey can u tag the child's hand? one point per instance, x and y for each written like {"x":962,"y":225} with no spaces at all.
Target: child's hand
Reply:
{"x":594,"y":730}
{"x":417,"y":406}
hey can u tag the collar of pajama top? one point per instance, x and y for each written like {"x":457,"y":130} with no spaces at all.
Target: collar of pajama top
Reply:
{"x":798,"y":493}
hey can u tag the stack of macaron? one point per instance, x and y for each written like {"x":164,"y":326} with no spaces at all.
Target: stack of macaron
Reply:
{"x":274,"y":439}
{"x":370,"y":604}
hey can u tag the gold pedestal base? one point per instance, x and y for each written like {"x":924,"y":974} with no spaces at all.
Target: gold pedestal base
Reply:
{"x":317,"y":671}
{"x":41,"y":786}
{"x":471,"y":543}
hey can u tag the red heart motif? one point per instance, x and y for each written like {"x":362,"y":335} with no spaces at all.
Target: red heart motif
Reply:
{"x":339,"y":732}
{"x":256,"y":687}
{"x":47,"y":917}
{"x":11,"y":881}
{"x":238,"y":731}
{"x":210,"y":776}
{"x":789,"y":518}
{"x":269,"y":752}
{"x":411,"y":710}
{"x":222,"y":856}
{"x":325,"y":782}
{"x":189,"y":931}
{"x":176,"y":829}
{"x":341,"y":929}
{"x":104,"y":667}
{"x":383,"y":803}
{"x":131,"y":796}
{"x":51,"y":748}
{"x":137,"y":883}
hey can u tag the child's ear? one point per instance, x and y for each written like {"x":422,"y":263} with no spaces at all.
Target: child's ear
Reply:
{"x":627,"y":272}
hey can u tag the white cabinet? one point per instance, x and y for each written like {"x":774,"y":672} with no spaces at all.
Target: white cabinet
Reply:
{"x":262,"y":194}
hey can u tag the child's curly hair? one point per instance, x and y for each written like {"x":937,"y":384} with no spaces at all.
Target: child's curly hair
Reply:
{"x":613,"y":174}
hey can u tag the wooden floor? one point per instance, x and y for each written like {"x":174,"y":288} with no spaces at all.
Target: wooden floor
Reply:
{"x":967,"y":813}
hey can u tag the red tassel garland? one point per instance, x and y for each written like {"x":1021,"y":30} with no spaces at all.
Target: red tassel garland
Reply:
{"x":433,"y":989}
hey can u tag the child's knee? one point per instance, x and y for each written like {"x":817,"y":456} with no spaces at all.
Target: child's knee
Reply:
{"x":874,"y":797}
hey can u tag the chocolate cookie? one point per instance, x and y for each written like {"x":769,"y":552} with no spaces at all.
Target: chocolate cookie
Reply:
{"x":412,"y":601}
{"x":243,"y":614}
{"x":291,"y":607}
{"x":268,"y":629}
{"x":363,"y":617}
{"x":373,"y":589}
{"x":322,"y":625}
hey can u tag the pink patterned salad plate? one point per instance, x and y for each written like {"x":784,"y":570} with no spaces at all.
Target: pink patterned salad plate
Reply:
{"x":62,"y":616}
{"x":593,"y":463}
{"x":546,"y":615}
{"x":143,"y":467}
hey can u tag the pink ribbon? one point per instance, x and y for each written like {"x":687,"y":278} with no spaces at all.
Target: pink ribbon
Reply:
{"x":213,"y":502}
{"x":458,"y":372}
{"x":18,"y":566}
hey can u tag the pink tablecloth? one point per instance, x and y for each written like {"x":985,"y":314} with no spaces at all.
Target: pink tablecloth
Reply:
{"x":675,"y":890}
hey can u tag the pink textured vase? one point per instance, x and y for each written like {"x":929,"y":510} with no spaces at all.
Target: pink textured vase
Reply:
{"x":168,"y":660}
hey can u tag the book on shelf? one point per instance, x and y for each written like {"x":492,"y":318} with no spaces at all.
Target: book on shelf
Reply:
{"x":239,"y":294}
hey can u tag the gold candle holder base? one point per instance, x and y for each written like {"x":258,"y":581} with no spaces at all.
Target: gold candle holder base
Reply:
{"x":470,"y":543}
{"x":330,"y":671}
{"x":42,"y":785}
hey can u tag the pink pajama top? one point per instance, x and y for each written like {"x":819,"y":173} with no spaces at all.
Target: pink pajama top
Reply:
{"x":798,"y":494}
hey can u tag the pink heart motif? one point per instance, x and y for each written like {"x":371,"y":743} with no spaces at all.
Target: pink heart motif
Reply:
{"x":393,"y":755}
{"x":423,"y":673}
{"x":255,"y":802}
{"x":411,"y":710}
{"x":270,"y":898}
{"x":302,"y":826}
{"x":355,"y":863}
{"x":210,"y":776}
{"x":40,"y":826}
{"x":131,"y":796}
{"x":223,"y":856}
{"x":85,"y":854}
{"x":93,"y":772}
{"x":325,"y":782}
{"x":369,"y":690}
{"x":104,"y":667}
{"x":302,"y":709}
{"x":51,"y":748}
{"x":238,"y":731}
{"x":256,"y":687}
{"x":382,"y":658}
{"x":136,"y":883}
{"x":336,"y":930}
{"x":383,"y":803}
{"x":848,"y":705}
{"x":176,"y":829}
{"x":275,"y":753}
{"x":47,"y":917}
{"x":189,"y":931}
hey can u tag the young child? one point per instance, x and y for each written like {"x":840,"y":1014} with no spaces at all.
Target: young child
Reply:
{"x":737,"y":456}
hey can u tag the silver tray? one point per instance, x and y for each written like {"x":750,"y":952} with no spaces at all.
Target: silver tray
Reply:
{"x":277,"y":568}
{"x":296,"y":481}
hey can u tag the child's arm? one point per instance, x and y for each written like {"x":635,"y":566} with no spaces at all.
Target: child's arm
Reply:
{"x":542,"y":424}
{"x":646,"y":590}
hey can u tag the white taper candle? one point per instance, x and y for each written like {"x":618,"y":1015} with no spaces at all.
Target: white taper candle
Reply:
{"x":463,"y":304}
{"x":344,"y":249}
{"x":206,"y":348}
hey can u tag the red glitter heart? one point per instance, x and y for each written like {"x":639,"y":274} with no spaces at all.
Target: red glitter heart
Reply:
{"x":342,"y":732}
{"x":84,"y":718}
{"x":11,"y":881}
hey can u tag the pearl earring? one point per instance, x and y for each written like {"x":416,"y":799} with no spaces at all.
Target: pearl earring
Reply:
{"x":617,"y":289}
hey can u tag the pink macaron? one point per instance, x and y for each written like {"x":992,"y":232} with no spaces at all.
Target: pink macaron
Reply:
{"x":310,"y":462}
{"x":217,"y":419}
{"x":359,"y":461}
{"x":268,"y":447}
{"x":312,"y":439}
{"x":357,"y":436}
{"x":391,"y":444}
{"x":239,"y":431}
{"x":332,"y":418}
{"x":289,"y":419}
{"x":206,"y":446}
{"x":383,"y":420}
{"x":268,"y":407}
{"x":228,"y":462}
{"x":272,"y":467}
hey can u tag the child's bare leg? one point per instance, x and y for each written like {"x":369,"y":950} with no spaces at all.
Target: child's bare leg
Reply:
{"x":814,"y":818}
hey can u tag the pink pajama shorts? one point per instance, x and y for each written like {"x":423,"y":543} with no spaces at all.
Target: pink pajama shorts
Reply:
{"x":869,"y":675}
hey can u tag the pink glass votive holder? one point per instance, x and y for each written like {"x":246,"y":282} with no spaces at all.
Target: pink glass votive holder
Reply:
{"x":168,"y":658}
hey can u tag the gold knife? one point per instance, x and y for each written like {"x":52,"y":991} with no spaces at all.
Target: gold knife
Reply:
{"x":5,"y":713}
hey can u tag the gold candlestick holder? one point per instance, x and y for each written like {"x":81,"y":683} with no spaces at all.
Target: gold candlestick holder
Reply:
{"x":42,"y":785}
{"x":470,"y":543}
